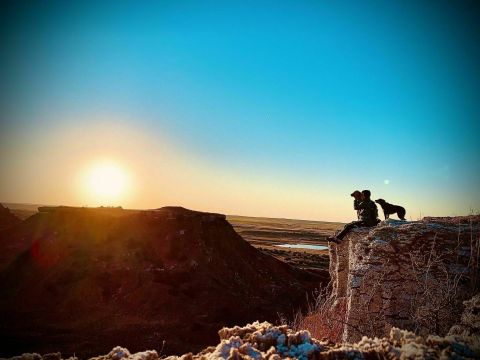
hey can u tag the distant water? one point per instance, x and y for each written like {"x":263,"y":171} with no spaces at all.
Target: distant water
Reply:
{"x":304,"y":246}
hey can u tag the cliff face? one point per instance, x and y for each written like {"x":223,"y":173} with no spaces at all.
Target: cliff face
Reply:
{"x":137,"y":278}
{"x":410,"y":275}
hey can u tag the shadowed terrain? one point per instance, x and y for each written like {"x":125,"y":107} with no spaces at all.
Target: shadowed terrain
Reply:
{"x":72,"y":276}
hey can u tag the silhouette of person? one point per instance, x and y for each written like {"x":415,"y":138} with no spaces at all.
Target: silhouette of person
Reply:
{"x":367,"y":213}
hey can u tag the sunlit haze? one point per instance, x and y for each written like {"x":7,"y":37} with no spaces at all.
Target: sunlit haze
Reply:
{"x":105,"y":182}
{"x":241,"y":108}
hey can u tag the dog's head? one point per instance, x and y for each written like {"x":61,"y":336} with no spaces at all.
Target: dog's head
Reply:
{"x":380,"y":201}
{"x":357,"y":195}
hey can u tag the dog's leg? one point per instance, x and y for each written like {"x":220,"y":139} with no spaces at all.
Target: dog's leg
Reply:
{"x":385,"y":214}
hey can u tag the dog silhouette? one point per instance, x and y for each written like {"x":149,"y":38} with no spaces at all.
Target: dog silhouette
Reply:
{"x":389,"y":209}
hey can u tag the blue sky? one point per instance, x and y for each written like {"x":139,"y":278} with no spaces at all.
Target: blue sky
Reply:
{"x":310,"y":99}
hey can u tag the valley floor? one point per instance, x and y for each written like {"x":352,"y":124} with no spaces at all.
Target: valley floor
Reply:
{"x":270,"y":235}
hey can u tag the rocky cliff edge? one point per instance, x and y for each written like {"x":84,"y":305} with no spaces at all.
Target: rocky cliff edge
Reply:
{"x":409,"y":275}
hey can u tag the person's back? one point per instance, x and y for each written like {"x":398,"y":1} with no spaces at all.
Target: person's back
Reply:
{"x":367,"y":211}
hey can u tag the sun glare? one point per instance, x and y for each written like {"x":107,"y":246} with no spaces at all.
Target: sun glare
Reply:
{"x":106,"y":182}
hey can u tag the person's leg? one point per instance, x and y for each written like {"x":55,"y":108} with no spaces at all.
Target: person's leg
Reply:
{"x":347,"y":228}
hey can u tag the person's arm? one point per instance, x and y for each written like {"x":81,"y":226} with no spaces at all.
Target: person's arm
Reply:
{"x":359,"y":205}
{"x":355,"y":204}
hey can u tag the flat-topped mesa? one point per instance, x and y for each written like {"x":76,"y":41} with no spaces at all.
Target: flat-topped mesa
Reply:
{"x":411,"y":275}
{"x":166,"y":212}
{"x":63,"y":208}
{"x":178,"y":212}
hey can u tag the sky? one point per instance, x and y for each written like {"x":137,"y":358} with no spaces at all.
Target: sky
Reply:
{"x":275,"y":109}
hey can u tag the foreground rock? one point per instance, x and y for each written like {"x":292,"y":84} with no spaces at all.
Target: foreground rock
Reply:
{"x":411,"y":275}
{"x":470,"y":322}
{"x":265,"y":341}
{"x":84,"y":280}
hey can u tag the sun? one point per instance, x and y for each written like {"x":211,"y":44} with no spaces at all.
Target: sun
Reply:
{"x":106,"y":182}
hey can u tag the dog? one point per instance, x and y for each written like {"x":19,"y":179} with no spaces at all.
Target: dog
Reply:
{"x":389,"y":209}
{"x":357,"y":195}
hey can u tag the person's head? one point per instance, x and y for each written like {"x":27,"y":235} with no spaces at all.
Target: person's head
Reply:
{"x":357,"y":195}
{"x":366,"y":194}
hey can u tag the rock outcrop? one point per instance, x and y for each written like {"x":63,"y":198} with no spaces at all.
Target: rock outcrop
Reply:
{"x":470,"y":322}
{"x":7,"y":218}
{"x":409,"y":275}
{"x":265,"y":341}
{"x":84,"y":280}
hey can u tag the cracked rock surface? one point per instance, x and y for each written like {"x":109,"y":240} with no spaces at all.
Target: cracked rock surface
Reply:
{"x":410,"y":275}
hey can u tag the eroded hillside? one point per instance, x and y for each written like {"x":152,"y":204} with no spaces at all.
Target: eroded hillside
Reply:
{"x":84,"y":280}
